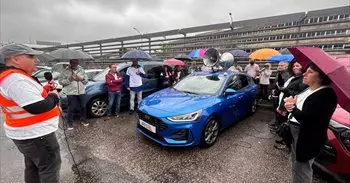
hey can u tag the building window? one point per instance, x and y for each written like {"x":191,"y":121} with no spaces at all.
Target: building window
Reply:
{"x":340,"y":31}
{"x":272,"y":38}
{"x":338,"y":46}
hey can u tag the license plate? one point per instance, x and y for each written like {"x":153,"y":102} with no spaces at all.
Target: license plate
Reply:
{"x":148,"y":126}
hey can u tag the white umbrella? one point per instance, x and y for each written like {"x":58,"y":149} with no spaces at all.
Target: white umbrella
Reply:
{"x":69,"y":54}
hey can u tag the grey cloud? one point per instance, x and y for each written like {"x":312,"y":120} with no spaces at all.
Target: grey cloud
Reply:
{"x":86,"y":20}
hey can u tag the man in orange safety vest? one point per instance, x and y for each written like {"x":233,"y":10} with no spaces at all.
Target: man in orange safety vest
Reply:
{"x":31,"y":114}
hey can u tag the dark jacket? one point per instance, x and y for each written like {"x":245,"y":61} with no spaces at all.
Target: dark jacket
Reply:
{"x":314,"y":119}
{"x":114,"y":85}
{"x":280,"y":79}
{"x":295,"y":87}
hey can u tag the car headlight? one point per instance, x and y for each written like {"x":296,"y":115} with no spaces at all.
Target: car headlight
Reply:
{"x":193,"y":116}
{"x":343,"y":133}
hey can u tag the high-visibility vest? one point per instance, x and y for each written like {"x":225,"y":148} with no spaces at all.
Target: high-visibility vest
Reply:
{"x":16,"y":116}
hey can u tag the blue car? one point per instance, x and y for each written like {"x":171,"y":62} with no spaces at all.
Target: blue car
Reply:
{"x":96,"y":97}
{"x":194,"y":111}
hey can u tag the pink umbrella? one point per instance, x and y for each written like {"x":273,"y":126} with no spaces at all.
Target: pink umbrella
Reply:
{"x":174,"y":61}
{"x":336,"y":71}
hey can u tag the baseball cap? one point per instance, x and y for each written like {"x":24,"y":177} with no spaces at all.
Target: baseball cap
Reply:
{"x":15,"y":49}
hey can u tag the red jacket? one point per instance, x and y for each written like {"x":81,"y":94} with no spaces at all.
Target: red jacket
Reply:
{"x":113,"y":84}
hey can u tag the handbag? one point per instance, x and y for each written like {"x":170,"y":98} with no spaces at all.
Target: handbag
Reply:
{"x":285,"y":133}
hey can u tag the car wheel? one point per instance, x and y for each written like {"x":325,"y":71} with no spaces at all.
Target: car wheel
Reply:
{"x":98,"y":107}
{"x":254,"y":107}
{"x":210,"y":133}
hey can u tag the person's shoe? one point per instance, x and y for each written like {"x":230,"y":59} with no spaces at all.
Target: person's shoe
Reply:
{"x":85,"y":123}
{"x":116,"y":115}
{"x":70,"y":127}
{"x":131,"y":112}
{"x":280,"y":146}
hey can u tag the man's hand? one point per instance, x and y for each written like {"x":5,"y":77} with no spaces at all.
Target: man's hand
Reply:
{"x":79,"y":78}
{"x":72,"y":78}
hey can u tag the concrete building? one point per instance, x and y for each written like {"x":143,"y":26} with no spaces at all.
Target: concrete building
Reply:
{"x":328,"y":29}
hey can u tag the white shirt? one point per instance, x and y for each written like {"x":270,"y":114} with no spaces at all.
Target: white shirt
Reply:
{"x":135,"y":80}
{"x":24,"y":91}
{"x":284,"y":85}
{"x":265,"y":77}
{"x":301,"y":99}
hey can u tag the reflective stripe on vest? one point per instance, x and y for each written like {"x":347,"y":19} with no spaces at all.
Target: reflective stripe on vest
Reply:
{"x":16,"y":116}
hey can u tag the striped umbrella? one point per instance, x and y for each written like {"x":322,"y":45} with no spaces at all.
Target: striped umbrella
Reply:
{"x":196,"y":54}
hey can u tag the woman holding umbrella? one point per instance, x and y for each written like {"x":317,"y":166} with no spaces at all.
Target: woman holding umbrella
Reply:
{"x":311,"y":111}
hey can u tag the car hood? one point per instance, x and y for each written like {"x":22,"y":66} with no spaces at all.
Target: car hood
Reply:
{"x":341,"y":116}
{"x":176,"y":102}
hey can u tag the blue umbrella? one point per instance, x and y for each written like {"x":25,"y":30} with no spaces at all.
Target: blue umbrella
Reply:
{"x":239,"y":53}
{"x":280,"y":58}
{"x":136,"y":55}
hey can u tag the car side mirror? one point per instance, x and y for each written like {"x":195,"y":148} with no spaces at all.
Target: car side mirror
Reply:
{"x":230,"y":91}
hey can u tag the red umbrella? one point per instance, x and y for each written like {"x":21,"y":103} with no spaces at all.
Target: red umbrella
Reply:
{"x":174,"y":61}
{"x":336,"y":71}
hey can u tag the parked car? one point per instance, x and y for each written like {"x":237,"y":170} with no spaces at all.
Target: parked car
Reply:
{"x":91,"y":73}
{"x":96,"y":90}
{"x":197,"y":108}
{"x":335,"y":155}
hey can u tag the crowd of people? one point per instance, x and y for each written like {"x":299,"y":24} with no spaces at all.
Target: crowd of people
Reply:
{"x":302,"y":98}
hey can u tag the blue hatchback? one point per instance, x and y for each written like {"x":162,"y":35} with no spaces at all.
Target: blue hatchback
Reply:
{"x":195,"y":110}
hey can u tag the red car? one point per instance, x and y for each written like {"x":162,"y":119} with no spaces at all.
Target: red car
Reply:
{"x":335,"y":154}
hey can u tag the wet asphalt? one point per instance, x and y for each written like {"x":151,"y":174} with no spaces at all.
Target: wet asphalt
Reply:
{"x":111,"y":150}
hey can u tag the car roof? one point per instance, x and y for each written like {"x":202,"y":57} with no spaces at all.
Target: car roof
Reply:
{"x":228,"y":73}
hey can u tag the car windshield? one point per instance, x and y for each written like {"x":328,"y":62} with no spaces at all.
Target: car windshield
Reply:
{"x":100,"y":77}
{"x":201,"y":84}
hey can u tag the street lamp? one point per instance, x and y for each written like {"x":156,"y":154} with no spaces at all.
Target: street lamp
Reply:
{"x":299,"y":27}
{"x":141,"y":35}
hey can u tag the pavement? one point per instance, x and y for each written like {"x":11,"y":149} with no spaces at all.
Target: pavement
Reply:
{"x":111,"y":150}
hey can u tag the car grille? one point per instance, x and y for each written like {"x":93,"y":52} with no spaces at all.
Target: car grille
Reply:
{"x":159,"y":124}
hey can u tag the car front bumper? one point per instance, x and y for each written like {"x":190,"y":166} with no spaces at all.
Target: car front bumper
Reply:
{"x":168,"y":133}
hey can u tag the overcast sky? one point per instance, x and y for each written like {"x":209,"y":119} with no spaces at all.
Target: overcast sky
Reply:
{"x":70,"y":21}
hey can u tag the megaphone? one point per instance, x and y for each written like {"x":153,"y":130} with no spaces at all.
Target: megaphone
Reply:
{"x":211,"y":57}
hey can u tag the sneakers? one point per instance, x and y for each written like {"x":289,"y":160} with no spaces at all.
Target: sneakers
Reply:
{"x":70,"y":127}
{"x":116,"y":115}
{"x":85,"y":123}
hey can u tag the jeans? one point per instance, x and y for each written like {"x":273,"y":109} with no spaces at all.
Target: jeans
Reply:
{"x":76,"y":102}
{"x":42,"y":159}
{"x":113,"y":99}
{"x":301,"y":171}
{"x":132,"y":99}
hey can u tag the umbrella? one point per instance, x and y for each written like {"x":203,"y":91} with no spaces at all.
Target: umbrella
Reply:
{"x":239,"y":53}
{"x":182,"y":57}
{"x":336,"y":71}
{"x":280,"y":58}
{"x":45,"y":57}
{"x":173,"y":61}
{"x":285,"y":51}
{"x":263,"y":54}
{"x":136,"y":55}
{"x":196,"y":54}
{"x":69,"y":54}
